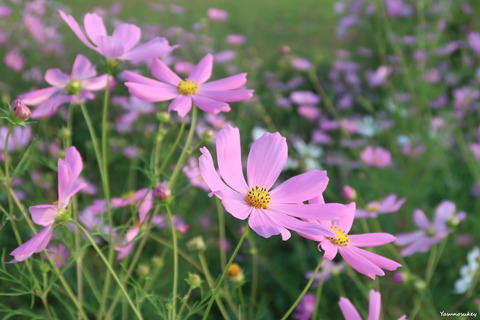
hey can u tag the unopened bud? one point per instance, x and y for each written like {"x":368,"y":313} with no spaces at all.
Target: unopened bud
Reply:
{"x":143,"y":270}
{"x":400,"y":277}
{"x":285,"y":49}
{"x":208,"y":135}
{"x":163,"y":117}
{"x":196,"y":244}
{"x":349,"y":194}
{"x":235,"y":272}
{"x":194,"y":280}
{"x":20,"y":110}
{"x":162,"y":192}
{"x":158,"y":261}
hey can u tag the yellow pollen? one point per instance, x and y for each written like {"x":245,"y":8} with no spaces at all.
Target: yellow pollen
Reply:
{"x":258,"y":197}
{"x":342,"y":238}
{"x":234,"y":269}
{"x":187,"y":87}
{"x":127,"y":195}
{"x":373,"y":207}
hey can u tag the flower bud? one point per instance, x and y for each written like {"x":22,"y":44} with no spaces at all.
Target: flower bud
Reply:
{"x":162,"y":192}
{"x":158,"y":261}
{"x":20,"y":110}
{"x":143,"y":270}
{"x":285,"y":49}
{"x":400,"y":277}
{"x":163,"y":117}
{"x":194,"y":280}
{"x":349,"y":194}
{"x":196,"y":244}
{"x":208,"y":135}
{"x":235,"y":272}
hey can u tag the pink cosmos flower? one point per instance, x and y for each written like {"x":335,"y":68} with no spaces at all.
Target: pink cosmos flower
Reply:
{"x":350,"y":313}
{"x":304,"y":97}
{"x":211,"y":97}
{"x":365,"y":262}
{"x":429,"y":233}
{"x":388,"y":205}
{"x":376,"y":157}
{"x":236,"y":39}
{"x":64,"y":88}
{"x":378,"y":77}
{"x":217,"y":14}
{"x":192,"y":172}
{"x":59,"y":254}
{"x":45,"y":215}
{"x":121,"y":44}
{"x":270,"y":212}
{"x":305,"y":308}
{"x":14,"y":60}
{"x":19,"y":138}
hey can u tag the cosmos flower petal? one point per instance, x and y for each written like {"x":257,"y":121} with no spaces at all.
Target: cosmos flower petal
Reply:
{"x":300,"y":226}
{"x":423,"y":244}
{"x":157,"y":47}
{"x":203,"y":70}
{"x":152,"y":93}
{"x":236,"y":205}
{"x":406,"y":238}
{"x":359,"y":262}
{"x":227,"y":95}
{"x":371,"y":239}
{"x":50,"y":106}
{"x":43,"y":215}
{"x":163,"y":73}
{"x":348,"y":310}
{"x":74,"y":161}
{"x":229,"y":158}
{"x":330,"y":249}
{"x":390,"y":204}
{"x":261,"y":223}
{"x":420,"y":219}
{"x":129,"y":34}
{"x":181,"y":104}
{"x":266,"y":160}
{"x":65,"y":183}
{"x":110,"y":47}
{"x":345,"y":223}
{"x":301,"y":187}
{"x":374,"y":304}
{"x":209,"y":174}
{"x":328,"y":211}
{"x":378,"y":260}
{"x":73,"y":24}
{"x":229,"y":83}
{"x":56,"y":77}
{"x":145,"y":207}
{"x":97,"y":83}
{"x":94,"y":27}
{"x":37,"y":97}
{"x":445,"y":210}
{"x":35,"y":245}
{"x":82,"y":68}
{"x":210,"y":105}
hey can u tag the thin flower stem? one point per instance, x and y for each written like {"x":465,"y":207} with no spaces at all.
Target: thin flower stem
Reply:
{"x":211,"y":284}
{"x":234,"y":254}
{"x":253,"y":288}
{"x":221,"y":232}
{"x":109,"y":267}
{"x":180,"y":252}
{"x":7,"y":174}
{"x":183,"y":155}
{"x":172,"y":149}
{"x":175,"y":264}
{"x":47,"y":308}
{"x":318,"y":295}
{"x":185,"y":299}
{"x":285,"y":316}
{"x":241,"y":312}
{"x":318,"y":87}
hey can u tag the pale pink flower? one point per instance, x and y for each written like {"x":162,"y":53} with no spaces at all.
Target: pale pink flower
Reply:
{"x":270,"y":212}
{"x":350,"y":313}
{"x":211,"y":97}
{"x":388,"y":205}
{"x":376,"y":157}
{"x":14,"y":60}
{"x":236,"y":39}
{"x":192,"y":172}
{"x":217,"y":14}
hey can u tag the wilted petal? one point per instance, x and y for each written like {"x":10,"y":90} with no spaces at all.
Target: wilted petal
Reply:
{"x":43,"y":215}
{"x":203,"y":70}
{"x":300,"y":188}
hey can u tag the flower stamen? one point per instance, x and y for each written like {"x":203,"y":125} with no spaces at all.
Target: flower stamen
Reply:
{"x":258,"y":197}
{"x":187,"y":87}
{"x":342,"y":238}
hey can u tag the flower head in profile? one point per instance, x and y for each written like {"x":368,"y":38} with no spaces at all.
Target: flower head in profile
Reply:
{"x":65,"y":88}
{"x":388,"y":205}
{"x":350,"y":312}
{"x":211,"y":97}
{"x":46,"y":215}
{"x":121,"y":44}
{"x":376,"y":157}
{"x":429,"y":233}
{"x":271,"y":211}
{"x":349,"y":246}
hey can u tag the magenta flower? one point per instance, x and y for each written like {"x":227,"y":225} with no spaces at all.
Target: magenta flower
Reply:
{"x":365,"y":262}
{"x":350,"y":313}
{"x":270,"y":212}
{"x":64,"y":88}
{"x":121,"y":44}
{"x":429,"y":233}
{"x":217,"y":14}
{"x":305,"y":308}
{"x":388,"y":205}
{"x":59,"y":254}
{"x":473,"y":40}
{"x":376,"y":157}
{"x":14,"y":60}
{"x":211,"y":97}
{"x":46,"y":215}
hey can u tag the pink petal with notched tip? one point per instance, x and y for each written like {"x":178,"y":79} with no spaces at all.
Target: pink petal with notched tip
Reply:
{"x":74,"y":160}
{"x":152,"y":93}
{"x":94,"y":27}
{"x":157,"y":47}
{"x":227,"y":95}
{"x":301,"y":187}
{"x":229,"y":83}
{"x":348,"y":310}
{"x":266,"y":160}
{"x":55,"y":77}
{"x":163,"y":73}
{"x":357,"y":261}
{"x":379,"y":260}
{"x":203,"y":70}
{"x":128,"y":34}
{"x":82,"y":68}
{"x":210,"y":175}
{"x":43,"y":215}
{"x":229,"y":158}
{"x":182,"y":104}
{"x":262,"y":224}
{"x":73,"y":24}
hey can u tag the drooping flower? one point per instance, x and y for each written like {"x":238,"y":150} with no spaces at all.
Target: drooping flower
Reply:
{"x":350,"y":313}
{"x":270,"y":212}
{"x":429,"y":233}
{"x":211,"y":97}
{"x":121,"y":44}
{"x":64,"y":88}
{"x":388,"y":205}
{"x":46,"y":215}
{"x":365,"y":262}
{"x":376,"y":157}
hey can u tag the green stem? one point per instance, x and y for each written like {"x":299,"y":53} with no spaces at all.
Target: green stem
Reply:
{"x":185,"y":299}
{"x":285,"y":316}
{"x":210,"y":303}
{"x":182,"y":158}
{"x":242,"y":303}
{"x":180,"y":252}
{"x":109,"y":267}
{"x":253,"y":288}
{"x":7,"y":174}
{"x":221,"y":232}
{"x":175,"y":264}
{"x":318,"y":295}
{"x":172,"y":149}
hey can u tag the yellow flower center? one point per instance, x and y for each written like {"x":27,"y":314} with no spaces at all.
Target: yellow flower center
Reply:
{"x":373,"y":207}
{"x":342,"y":238}
{"x":74,"y":87}
{"x":258,"y":197}
{"x":187,"y":87}
{"x":128,"y":195}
